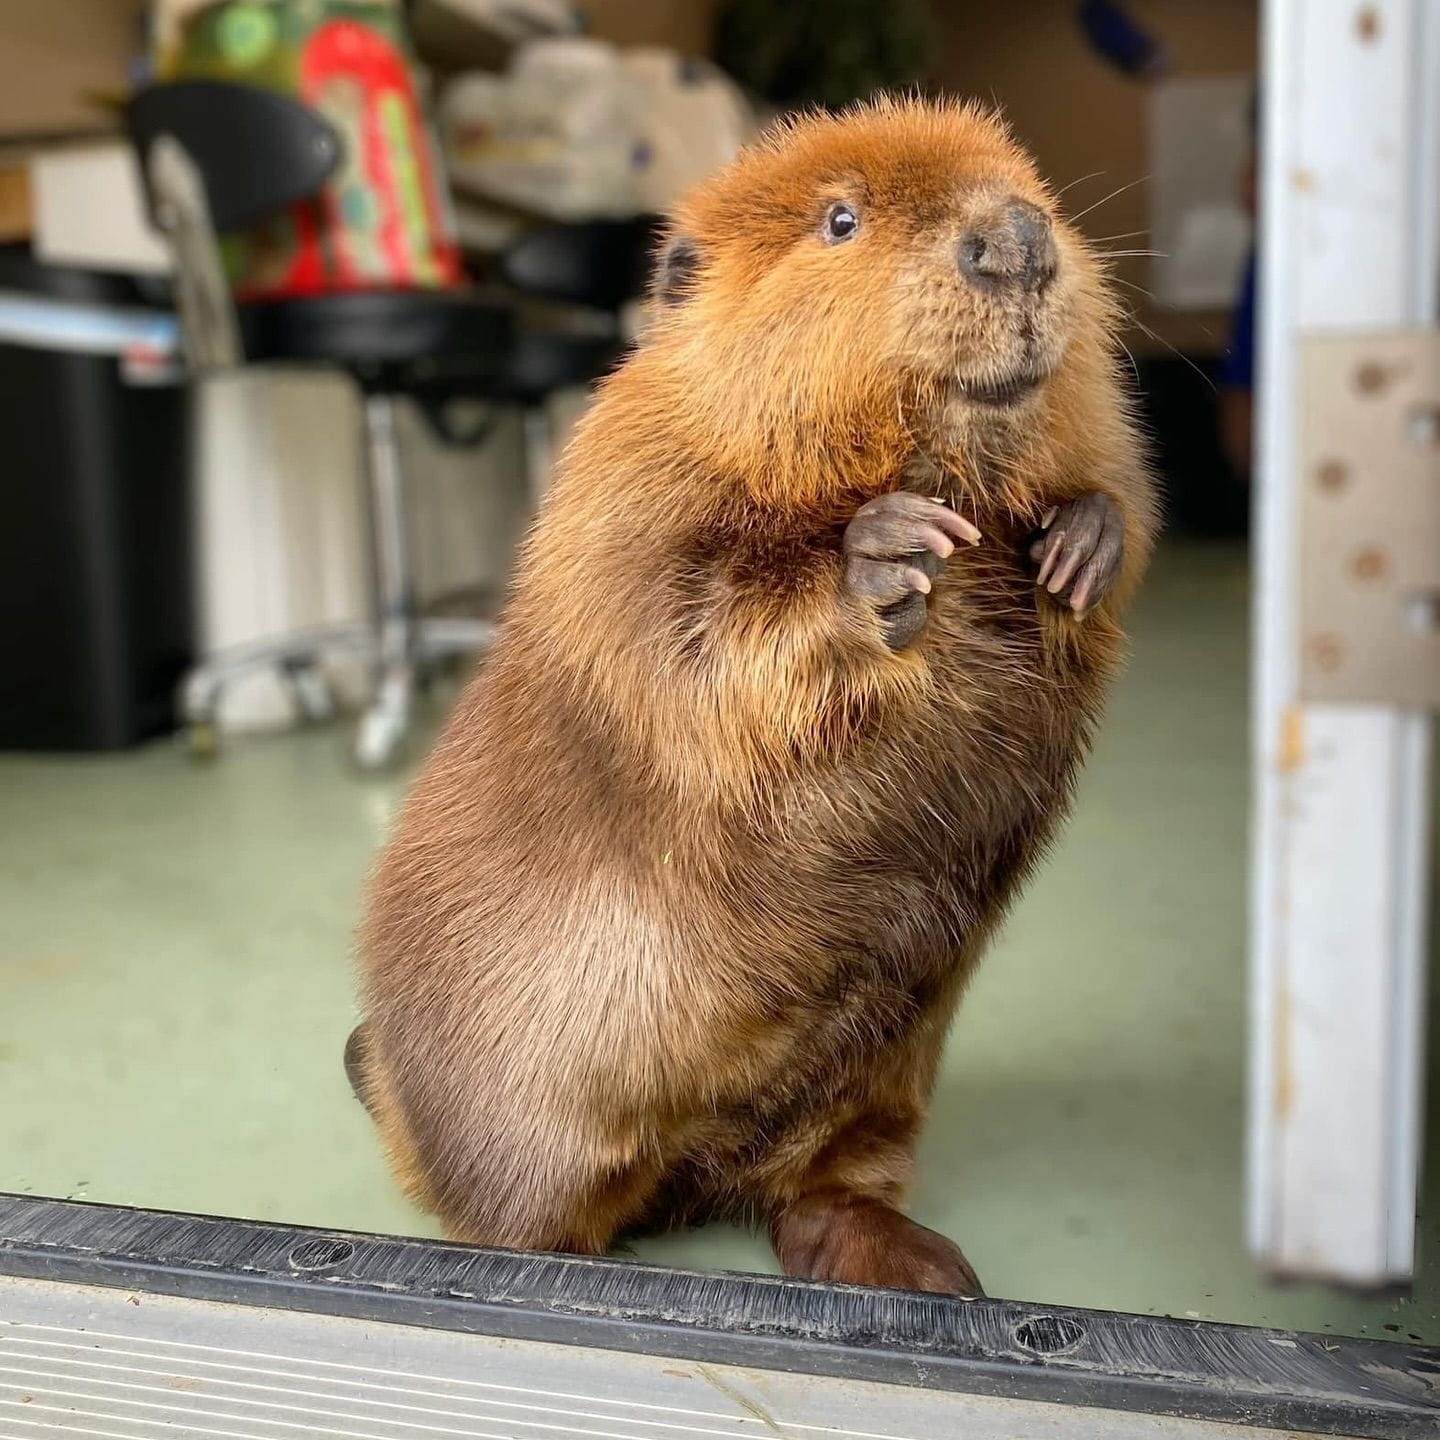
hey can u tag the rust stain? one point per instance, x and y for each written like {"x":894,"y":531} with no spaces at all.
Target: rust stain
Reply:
{"x":1333,"y":476}
{"x":1326,"y":652}
{"x":1302,"y":179}
{"x":1369,"y":563}
{"x":41,"y":967}
{"x":1292,"y":740}
{"x":1371,"y":377}
{"x":1367,"y":24}
{"x":759,"y":1412}
{"x":1284,"y":1096}
{"x":1290,"y":757}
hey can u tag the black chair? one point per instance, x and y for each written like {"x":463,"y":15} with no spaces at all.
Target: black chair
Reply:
{"x":218,"y":156}
{"x":602,"y":264}
{"x":592,"y":269}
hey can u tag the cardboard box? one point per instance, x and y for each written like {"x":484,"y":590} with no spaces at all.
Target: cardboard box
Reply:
{"x":57,"y":57}
{"x":89,"y":209}
{"x":17,"y":212}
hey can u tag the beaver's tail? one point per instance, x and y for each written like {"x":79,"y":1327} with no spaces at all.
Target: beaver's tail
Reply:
{"x":357,"y":1049}
{"x":373,"y":1090}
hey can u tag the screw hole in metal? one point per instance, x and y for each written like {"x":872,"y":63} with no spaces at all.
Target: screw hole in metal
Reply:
{"x":1425,"y":426}
{"x":320,"y":1254}
{"x":1423,"y":613}
{"x":1048,"y":1334}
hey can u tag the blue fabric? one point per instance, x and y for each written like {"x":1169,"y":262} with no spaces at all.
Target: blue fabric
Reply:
{"x":1237,"y":365}
{"x":42,"y":323}
{"x":1117,"y":38}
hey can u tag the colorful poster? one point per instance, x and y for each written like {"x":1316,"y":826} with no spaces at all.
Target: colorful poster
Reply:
{"x":382,"y":220}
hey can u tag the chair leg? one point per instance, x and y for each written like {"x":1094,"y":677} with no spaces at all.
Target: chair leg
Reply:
{"x":200,"y":708}
{"x":385,"y":723}
{"x":296,"y":657}
{"x":314,"y":695}
{"x":539,"y":440}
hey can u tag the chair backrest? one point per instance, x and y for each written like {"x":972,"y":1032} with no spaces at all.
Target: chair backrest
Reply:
{"x":598,"y":263}
{"x":216,"y":156}
{"x":256,"y":151}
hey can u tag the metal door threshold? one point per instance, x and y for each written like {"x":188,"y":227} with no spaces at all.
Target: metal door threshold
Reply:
{"x":132,"y":1324}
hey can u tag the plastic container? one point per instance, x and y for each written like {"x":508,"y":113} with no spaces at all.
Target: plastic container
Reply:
{"x":95,"y":579}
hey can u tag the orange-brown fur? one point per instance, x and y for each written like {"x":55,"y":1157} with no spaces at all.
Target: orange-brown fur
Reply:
{"x":675,"y":919}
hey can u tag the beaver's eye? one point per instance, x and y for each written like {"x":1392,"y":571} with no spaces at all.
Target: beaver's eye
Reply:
{"x":841,"y":222}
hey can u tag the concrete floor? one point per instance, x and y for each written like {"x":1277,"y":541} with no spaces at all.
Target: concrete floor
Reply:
{"x":175,"y":990}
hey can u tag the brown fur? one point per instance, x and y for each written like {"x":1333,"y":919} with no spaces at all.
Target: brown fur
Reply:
{"x":677,"y":914}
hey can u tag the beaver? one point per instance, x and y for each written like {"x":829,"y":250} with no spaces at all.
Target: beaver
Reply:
{"x":800,"y":661}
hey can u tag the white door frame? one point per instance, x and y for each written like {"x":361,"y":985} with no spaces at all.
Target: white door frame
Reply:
{"x":1350,"y":138}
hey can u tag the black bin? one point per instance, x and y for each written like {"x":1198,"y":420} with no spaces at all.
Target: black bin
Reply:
{"x":95,"y":564}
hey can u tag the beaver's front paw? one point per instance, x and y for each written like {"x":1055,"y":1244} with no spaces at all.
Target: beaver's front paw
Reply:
{"x":894,"y":548}
{"x":1079,"y":550}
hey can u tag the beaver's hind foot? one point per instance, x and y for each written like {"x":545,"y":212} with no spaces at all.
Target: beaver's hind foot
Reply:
{"x":853,"y":1240}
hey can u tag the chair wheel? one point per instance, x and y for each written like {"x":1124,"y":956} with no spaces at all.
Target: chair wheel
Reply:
{"x":204,"y":740}
{"x":314,"y":696}
{"x":379,"y":738}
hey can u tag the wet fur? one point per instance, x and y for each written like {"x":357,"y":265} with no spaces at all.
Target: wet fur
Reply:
{"x":677,"y":914}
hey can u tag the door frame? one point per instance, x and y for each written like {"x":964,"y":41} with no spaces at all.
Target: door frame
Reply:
{"x":1350,"y":243}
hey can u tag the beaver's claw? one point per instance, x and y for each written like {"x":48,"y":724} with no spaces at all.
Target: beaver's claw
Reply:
{"x":1079,"y":550}
{"x":894,"y":548}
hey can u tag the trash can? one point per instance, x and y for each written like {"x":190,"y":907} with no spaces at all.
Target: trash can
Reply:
{"x":95,"y":583}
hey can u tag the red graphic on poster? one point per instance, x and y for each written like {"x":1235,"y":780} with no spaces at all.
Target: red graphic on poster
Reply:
{"x":380,"y":221}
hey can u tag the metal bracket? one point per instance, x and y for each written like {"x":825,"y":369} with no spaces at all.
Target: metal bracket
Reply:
{"x":1370,"y":519}
{"x":210,"y":329}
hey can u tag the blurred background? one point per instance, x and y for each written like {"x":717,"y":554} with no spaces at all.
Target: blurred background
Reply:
{"x":298,"y":302}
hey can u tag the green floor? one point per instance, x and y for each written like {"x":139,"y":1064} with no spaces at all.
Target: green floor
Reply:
{"x":175,"y":991}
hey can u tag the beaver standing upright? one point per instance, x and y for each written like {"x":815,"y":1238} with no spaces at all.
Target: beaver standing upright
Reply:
{"x":802,"y":658}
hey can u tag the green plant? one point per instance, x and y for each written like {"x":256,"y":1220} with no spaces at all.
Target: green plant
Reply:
{"x":823,"y":52}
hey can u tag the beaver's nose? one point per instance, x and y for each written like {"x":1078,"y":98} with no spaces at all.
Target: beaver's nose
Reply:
{"x":1015,"y":247}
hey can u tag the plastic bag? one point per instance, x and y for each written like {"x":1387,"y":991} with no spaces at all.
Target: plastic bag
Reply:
{"x":579,"y":130}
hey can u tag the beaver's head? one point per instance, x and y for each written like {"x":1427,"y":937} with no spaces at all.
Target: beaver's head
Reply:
{"x":895,"y":274}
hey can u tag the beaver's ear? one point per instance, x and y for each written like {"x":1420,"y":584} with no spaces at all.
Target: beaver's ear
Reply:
{"x":675,"y":268}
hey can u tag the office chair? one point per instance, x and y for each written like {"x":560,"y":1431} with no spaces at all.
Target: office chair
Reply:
{"x":219,"y":156}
